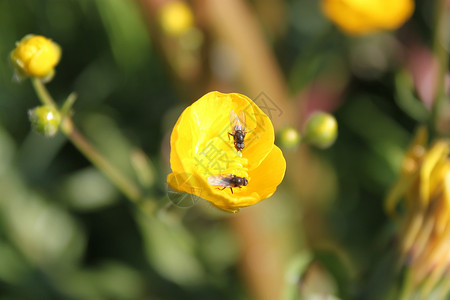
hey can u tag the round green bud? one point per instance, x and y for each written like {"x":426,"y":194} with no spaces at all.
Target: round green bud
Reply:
{"x":45,"y":119}
{"x":289,"y":137}
{"x":321,"y":130}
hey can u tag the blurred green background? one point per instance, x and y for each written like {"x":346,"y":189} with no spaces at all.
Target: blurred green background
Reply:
{"x":66,"y":232}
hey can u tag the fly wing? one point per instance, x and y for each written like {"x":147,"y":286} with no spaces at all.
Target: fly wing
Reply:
{"x":242,"y":120}
{"x":234,"y":121}
{"x":219,"y":180}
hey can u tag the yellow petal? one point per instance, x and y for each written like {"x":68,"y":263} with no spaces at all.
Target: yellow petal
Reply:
{"x":190,"y":183}
{"x":268,"y":175}
{"x":182,"y":141}
{"x":44,"y":60}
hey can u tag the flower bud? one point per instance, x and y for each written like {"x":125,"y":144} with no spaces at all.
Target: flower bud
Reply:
{"x":321,"y":130}
{"x":35,"y":55}
{"x":45,"y":119}
{"x":176,"y":18}
{"x":289,"y":137}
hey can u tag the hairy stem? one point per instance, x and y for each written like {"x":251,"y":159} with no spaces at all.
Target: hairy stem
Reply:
{"x":128,"y":188}
{"x":42,"y":92}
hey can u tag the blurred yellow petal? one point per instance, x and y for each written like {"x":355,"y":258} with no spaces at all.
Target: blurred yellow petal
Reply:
{"x":366,"y":16}
{"x":176,"y":17}
{"x":447,"y":185}
{"x":436,"y":153}
{"x":410,"y":173}
{"x":443,"y":211}
{"x":416,"y":151}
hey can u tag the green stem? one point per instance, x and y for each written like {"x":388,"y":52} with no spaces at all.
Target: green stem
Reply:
{"x":440,"y":39}
{"x":42,"y":92}
{"x":128,"y":188}
{"x":407,"y":285}
{"x":67,"y":105}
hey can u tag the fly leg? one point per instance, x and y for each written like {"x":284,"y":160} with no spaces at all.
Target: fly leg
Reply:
{"x":227,"y":187}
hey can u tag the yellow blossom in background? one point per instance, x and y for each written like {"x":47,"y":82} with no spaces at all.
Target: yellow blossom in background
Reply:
{"x":366,"y":16}
{"x":176,"y":17}
{"x":424,"y":187}
{"x":201,"y":147}
{"x":35,"y":55}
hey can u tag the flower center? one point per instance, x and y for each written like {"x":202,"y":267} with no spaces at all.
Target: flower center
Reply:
{"x":219,"y":157}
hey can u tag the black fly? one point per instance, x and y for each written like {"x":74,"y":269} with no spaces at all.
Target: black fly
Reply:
{"x":227,"y":181}
{"x":238,"y":129}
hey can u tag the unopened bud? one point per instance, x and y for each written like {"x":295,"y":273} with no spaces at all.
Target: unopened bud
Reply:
{"x":321,"y":130}
{"x":45,"y":120}
{"x":35,"y":55}
{"x":289,"y":138}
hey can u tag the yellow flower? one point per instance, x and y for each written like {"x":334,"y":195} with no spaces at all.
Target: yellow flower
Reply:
{"x":176,"y":17}
{"x":201,"y":149}
{"x":35,"y":55}
{"x":424,"y":187}
{"x":366,"y":16}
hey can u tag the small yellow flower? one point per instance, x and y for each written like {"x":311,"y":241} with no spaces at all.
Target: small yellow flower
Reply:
{"x":201,"y":148}
{"x":35,"y":55}
{"x":176,"y":17}
{"x":366,"y":16}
